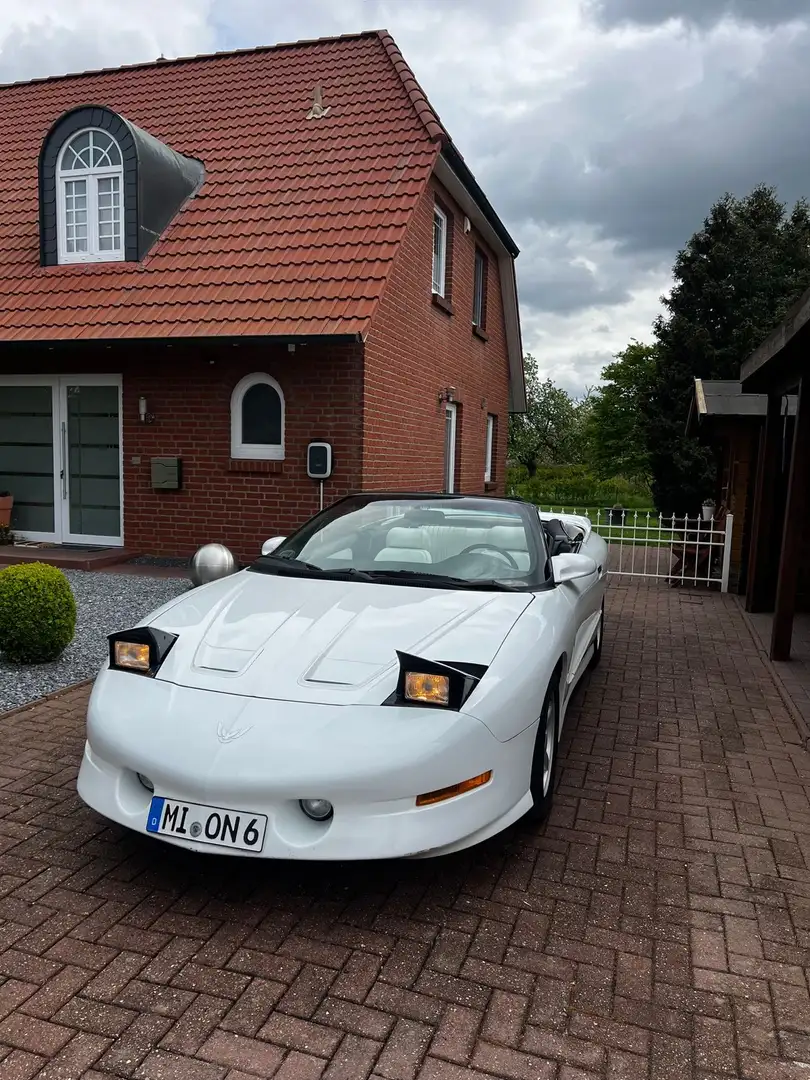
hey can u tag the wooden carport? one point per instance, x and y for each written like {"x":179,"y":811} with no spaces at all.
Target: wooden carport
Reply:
{"x":779,"y":553}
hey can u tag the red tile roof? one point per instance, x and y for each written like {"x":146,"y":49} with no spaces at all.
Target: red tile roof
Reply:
{"x":296,"y":225}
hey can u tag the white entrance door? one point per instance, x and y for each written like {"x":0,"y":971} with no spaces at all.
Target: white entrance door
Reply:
{"x":60,"y":457}
{"x":449,"y":447}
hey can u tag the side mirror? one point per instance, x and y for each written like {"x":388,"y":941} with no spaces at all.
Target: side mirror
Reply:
{"x":269,"y":546}
{"x":572,"y":567}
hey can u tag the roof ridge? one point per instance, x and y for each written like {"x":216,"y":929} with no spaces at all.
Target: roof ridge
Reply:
{"x":425,"y":111}
{"x":198,"y":57}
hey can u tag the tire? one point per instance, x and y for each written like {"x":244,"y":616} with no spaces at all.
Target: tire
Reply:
{"x":600,"y":636}
{"x":544,"y":771}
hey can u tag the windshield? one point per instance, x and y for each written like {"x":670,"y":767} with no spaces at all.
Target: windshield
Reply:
{"x":410,"y":538}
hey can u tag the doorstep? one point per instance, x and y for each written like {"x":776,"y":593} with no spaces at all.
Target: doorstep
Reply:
{"x":65,"y":557}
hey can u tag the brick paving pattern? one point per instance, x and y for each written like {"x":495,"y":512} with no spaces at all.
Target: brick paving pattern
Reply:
{"x":658,"y":928}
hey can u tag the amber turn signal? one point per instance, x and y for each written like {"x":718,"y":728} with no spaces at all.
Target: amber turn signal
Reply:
{"x":431,"y":689}
{"x":456,"y":789}
{"x":129,"y":654}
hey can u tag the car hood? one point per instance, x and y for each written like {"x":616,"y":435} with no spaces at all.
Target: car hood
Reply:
{"x":331,"y":642}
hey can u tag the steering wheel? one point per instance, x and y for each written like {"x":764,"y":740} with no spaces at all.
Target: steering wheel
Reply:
{"x":491,"y":547}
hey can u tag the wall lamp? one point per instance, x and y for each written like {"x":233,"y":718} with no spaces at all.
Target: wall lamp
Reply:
{"x":145,"y":417}
{"x":448,"y":394}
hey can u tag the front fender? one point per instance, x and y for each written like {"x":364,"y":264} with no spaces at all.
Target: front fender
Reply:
{"x":510,"y":696}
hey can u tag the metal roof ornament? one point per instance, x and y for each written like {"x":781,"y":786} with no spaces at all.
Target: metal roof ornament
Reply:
{"x":317,"y":110}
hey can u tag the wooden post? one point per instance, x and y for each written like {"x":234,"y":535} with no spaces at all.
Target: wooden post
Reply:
{"x":760,"y":592}
{"x":793,"y":531}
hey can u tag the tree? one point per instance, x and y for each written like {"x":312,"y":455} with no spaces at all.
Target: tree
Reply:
{"x":734,"y":282}
{"x":616,"y":432}
{"x":549,"y":432}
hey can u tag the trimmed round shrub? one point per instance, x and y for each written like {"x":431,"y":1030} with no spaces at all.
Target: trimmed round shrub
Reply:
{"x":37,"y":613}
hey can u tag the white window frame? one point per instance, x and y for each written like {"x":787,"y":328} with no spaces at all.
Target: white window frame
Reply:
{"x":254,"y":451}
{"x":489,"y":447}
{"x":479,"y":289}
{"x":91,"y":178}
{"x":440,"y":257}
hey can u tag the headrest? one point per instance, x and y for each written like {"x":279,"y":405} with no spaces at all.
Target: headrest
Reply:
{"x":406,"y":538}
{"x":508,"y":537}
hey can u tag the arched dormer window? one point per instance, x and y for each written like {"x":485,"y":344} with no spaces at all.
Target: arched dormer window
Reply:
{"x":90,"y":180}
{"x":107,"y":188}
{"x":257,"y":419}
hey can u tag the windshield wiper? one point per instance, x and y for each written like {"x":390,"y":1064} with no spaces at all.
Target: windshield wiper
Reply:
{"x":305,"y":569}
{"x":441,"y":581}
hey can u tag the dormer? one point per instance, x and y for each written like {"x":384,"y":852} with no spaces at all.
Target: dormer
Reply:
{"x":107,"y":189}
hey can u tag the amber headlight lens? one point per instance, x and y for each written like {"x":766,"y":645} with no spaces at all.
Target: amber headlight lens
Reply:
{"x":129,"y":654}
{"x":430,"y":689}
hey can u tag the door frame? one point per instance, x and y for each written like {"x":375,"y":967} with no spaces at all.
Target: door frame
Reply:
{"x":451,"y":423}
{"x":61,"y":479}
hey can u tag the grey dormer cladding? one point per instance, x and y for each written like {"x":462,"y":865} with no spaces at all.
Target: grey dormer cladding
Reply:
{"x":157,"y":180}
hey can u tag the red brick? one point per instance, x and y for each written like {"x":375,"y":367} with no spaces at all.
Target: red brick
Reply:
{"x":456,"y":1034}
{"x":75,"y":1059}
{"x":161,"y":1065}
{"x":20,"y":1065}
{"x":354,"y":1059}
{"x":36,"y":1036}
{"x":298,"y":1034}
{"x":237,"y":1051}
{"x":405,"y":1050}
{"x":512,"y":1063}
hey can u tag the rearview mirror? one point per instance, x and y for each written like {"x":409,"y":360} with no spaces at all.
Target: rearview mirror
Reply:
{"x":269,"y":546}
{"x":572,"y":567}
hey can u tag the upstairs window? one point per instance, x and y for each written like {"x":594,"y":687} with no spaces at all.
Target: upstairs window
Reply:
{"x":90,"y":177}
{"x":257,"y":419}
{"x":439,"y":251}
{"x":480,"y":291}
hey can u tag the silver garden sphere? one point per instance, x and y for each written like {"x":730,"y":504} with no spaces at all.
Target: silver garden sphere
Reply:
{"x":210,"y":563}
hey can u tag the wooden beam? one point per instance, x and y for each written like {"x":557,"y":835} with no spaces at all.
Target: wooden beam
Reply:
{"x":793,"y":530}
{"x":761,"y":591}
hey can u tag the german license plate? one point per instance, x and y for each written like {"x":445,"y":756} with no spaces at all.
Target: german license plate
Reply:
{"x":206,"y":824}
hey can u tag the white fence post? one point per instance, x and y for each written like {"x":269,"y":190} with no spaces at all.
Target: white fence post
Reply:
{"x":727,"y":554}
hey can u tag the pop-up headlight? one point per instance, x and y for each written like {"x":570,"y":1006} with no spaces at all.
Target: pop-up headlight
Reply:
{"x":141,"y":650}
{"x":433,"y":684}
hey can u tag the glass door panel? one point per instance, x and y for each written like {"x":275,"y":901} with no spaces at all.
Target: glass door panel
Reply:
{"x":92,"y":484}
{"x":27,"y":458}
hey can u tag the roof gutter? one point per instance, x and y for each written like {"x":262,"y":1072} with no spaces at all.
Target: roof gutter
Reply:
{"x":463,"y":172}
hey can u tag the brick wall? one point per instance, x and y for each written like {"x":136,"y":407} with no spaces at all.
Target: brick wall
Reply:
{"x":415,"y":349}
{"x":188,"y":388}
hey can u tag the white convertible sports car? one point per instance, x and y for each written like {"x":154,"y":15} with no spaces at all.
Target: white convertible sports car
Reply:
{"x":389,"y":681}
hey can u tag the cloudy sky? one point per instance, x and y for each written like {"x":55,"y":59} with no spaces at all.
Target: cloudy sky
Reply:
{"x":602,"y":130}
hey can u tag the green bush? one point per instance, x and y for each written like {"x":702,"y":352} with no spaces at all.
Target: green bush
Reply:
{"x":37,"y":613}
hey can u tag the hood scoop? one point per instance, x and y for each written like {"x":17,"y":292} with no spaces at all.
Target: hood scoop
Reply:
{"x":228,"y":661}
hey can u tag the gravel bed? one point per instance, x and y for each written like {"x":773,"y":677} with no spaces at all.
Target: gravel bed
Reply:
{"x":104,"y":603}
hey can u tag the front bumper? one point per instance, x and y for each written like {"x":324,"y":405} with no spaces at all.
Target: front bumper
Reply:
{"x":262,"y":757}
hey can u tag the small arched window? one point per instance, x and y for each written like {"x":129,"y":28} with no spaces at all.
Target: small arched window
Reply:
{"x":257,"y":418}
{"x":90,"y":176}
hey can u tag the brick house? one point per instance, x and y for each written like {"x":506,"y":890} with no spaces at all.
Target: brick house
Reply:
{"x":206,"y":264}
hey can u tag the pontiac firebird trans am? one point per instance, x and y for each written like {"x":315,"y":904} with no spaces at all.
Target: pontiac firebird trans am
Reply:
{"x":389,"y":681}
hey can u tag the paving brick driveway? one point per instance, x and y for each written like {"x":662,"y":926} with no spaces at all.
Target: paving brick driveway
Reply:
{"x":658,"y":928}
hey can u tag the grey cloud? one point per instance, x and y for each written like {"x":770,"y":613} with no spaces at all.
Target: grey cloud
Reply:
{"x":551,"y":279}
{"x":48,"y":49}
{"x":702,"y":13}
{"x":645,"y":175}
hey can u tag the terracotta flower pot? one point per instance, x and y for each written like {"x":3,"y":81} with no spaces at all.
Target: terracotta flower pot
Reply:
{"x":6,"y":503}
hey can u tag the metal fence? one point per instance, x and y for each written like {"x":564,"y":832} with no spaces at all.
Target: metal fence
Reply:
{"x":676,"y":550}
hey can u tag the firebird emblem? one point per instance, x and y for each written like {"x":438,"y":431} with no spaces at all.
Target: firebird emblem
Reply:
{"x":226,"y":736}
